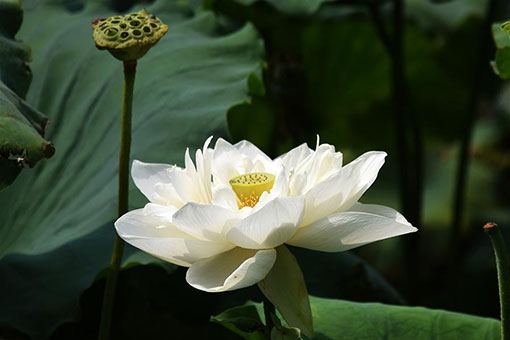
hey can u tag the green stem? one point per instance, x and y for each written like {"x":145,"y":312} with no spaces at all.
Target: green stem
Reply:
{"x":409,"y":146}
{"x":118,"y":245}
{"x":484,"y":49}
{"x":269,"y":310}
{"x":503,"y":266}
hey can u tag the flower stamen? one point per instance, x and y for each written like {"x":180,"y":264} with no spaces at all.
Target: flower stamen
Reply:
{"x":249,"y":187}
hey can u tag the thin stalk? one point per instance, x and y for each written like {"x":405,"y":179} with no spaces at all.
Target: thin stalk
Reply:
{"x":482,"y":64}
{"x":399,"y":102}
{"x":118,"y":245}
{"x":503,"y":267}
{"x":268,"y":311}
{"x":377,"y":20}
{"x":408,"y":141}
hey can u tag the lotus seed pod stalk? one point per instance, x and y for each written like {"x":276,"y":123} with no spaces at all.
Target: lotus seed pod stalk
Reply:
{"x":127,"y":38}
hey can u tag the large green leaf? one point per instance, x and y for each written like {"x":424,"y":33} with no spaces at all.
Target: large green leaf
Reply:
{"x":56,"y":225}
{"x":338,"y":320}
{"x":291,"y":7}
{"x":444,"y":16}
{"x":21,"y":126}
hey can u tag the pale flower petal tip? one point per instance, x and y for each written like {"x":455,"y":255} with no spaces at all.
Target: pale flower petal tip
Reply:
{"x":352,"y":229}
{"x":164,"y":240}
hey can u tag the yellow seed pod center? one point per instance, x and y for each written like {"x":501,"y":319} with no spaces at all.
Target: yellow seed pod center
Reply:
{"x":249,"y":187}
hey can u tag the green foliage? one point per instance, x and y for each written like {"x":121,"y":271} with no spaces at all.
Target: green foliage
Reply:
{"x":501,"y":63}
{"x":352,"y":277}
{"x":334,"y":74}
{"x":285,"y":287}
{"x":337,"y":320}
{"x":244,"y":321}
{"x":443,"y":15}
{"x":14,"y":54}
{"x":56,"y":225}
{"x":21,"y":126}
{"x":141,"y":258}
{"x":290,"y":7}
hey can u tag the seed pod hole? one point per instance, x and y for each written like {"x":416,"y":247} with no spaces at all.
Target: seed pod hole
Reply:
{"x":134,"y":23}
{"x":115,"y":21}
{"x":146,"y":29}
{"x":137,"y":33}
{"x":124,"y":35}
{"x":123,"y":25}
{"x":153,"y":25}
{"x":112,"y":32}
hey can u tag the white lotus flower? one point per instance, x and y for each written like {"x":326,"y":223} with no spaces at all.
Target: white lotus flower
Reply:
{"x":224,"y":216}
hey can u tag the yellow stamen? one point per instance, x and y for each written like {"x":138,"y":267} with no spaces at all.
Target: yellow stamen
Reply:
{"x":249,"y":187}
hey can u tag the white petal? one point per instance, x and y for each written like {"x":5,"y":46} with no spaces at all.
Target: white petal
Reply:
{"x":147,"y":175}
{"x":143,"y":223}
{"x":162,"y":212}
{"x":184,"y":185}
{"x":164,"y":241}
{"x":271,"y":225}
{"x":295,"y":156}
{"x":342,"y":189}
{"x":224,"y":196}
{"x":252,"y":152}
{"x":165,"y":194}
{"x":165,"y":184}
{"x":297,"y":184}
{"x":204,"y":221}
{"x":323,"y":163}
{"x":235,"y":269}
{"x":188,"y":163}
{"x":380,"y":210}
{"x":203,"y":160}
{"x":281,"y":184}
{"x":347,"y":230}
{"x":363,"y":171}
{"x":226,"y":162}
{"x":198,"y":176}
{"x":325,"y":198}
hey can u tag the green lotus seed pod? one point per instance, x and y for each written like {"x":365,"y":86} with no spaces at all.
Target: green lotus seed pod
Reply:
{"x":128,"y":37}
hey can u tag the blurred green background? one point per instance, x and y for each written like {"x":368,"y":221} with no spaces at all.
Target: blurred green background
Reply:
{"x":412,"y":78}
